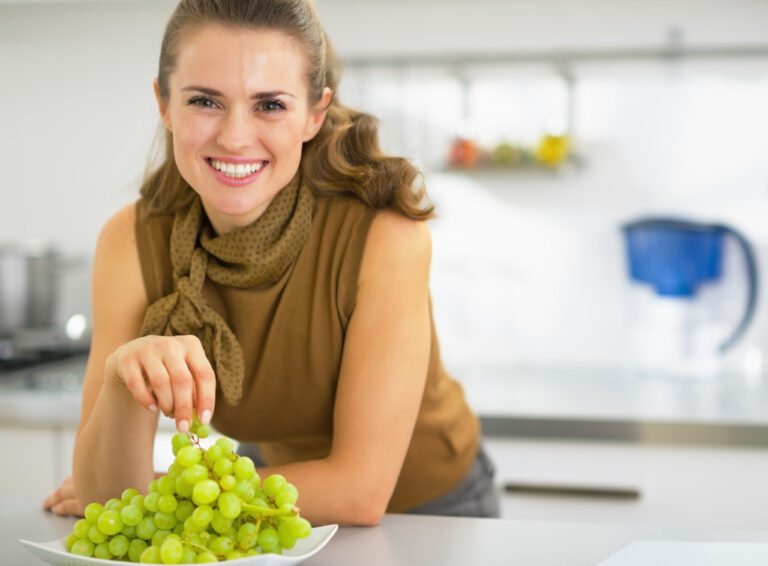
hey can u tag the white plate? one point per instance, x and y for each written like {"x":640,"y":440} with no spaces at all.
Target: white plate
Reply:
{"x":55,"y":552}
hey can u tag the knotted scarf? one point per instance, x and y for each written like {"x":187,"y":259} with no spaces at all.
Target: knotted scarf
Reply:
{"x":257,"y":254}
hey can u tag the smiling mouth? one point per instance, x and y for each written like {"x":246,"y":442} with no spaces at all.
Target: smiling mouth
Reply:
{"x":236,"y":170}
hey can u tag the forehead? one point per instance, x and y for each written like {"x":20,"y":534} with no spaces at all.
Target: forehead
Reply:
{"x":234,"y":59}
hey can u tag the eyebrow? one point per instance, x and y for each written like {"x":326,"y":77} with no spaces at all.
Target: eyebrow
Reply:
{"x":255,"y":96}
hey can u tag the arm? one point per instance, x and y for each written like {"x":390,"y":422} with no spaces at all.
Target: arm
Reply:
{"x":129,"y":379}
{"x":115,"y":435}
{"x":383,"y":372}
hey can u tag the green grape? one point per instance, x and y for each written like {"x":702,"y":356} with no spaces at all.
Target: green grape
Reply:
{"x":225,"y":444}
{"x":205,"y":492}
{"x":128,"y":531}
{"x":151,"y":502}
{"x":179,"y":441}
{"x":138,"y":501}
{"x":189,"y":556}
{"x":135,"y":549}
{"x":151,"y":555}
{"x":273,"y":484}
{"x":119,"y":545}
{"x":112,"y":503}
{"x":95,"y":535}
{"x":244,"y":467}
{"x":81,"y":528}
{"x":202,"y":516}
{"x":205,"y":557}
{"x":129,"y":494}
{"x":213,"y":454}
{"x":284,"y":533}
{"x":203,"y":431}
{"x":248,"y":535}
{"x":221,"y":545}
{"x":229,"y":504}
{"x":189,"y":456}
{"x":159,"y":537}
{"x":83,"y":547}
{"x":269,"y":540}
{"x":166,"y":485}
{"x":245,"y":490}
{"x":183,"y":488}
{"x":109,"y":522}
{"x":222,"y":467}
{"x":152,"y":486}
{"x":195,"y":474}
{"x":92,"y":512}
{"x":289,"y":494}
{"x":227,"y":482}
{"x":191,"y":527}
{"x":184,"y":510}
{"x":255,"y":481}
{"x":165,"y":520}
{"x":252,"y":552}
{"x":72,"y":538}
{"x":167,"y":503}
{"x":131,"y":515}
{"x":175,"y":470}
{"x":234,"y":555}
{"x":299,"y":526}
{"x":220,"y":523}
{"x":102,"y":551}
{"x":146,"y":528}
{"x":171,"y":551}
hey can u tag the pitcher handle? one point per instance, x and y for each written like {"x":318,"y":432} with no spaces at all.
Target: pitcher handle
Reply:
{"x":749,"y":311}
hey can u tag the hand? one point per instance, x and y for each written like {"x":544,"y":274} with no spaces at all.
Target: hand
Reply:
{"x":63,"y":500}
{"x":169,"y":372}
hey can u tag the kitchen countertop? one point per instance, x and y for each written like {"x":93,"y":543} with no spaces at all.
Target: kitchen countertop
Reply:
{"x":412,"y":539}
{"x":576,"y":404}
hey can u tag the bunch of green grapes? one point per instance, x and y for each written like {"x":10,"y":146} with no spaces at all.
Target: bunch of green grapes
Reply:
{"x":210,"y":506}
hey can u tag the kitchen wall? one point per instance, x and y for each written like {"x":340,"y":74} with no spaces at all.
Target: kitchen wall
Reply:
{"x":528,"y":266}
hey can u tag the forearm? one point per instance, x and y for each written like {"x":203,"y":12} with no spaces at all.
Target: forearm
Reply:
{"x":332,"y":493}
{"x":113,"y":450}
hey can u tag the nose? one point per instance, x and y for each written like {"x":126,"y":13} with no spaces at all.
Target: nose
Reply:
{"x":237,"y":131}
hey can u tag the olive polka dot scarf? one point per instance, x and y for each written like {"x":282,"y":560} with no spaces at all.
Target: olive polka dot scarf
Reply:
{"x":246,"y":257}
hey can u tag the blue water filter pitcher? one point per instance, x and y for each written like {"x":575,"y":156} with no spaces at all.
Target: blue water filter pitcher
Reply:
{"x":671,"y":261}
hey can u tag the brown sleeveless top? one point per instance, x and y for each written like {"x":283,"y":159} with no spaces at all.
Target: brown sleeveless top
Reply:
{"x":292,"y":336}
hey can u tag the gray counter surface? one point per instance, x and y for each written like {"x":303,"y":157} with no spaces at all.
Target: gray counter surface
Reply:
{"x":412,"y":540}
{"x":575,"y":404}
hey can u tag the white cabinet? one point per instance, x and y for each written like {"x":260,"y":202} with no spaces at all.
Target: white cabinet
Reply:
{"x":678,"y":485}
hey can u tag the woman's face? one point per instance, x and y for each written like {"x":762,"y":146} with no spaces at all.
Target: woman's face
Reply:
{"x":239,"y":111}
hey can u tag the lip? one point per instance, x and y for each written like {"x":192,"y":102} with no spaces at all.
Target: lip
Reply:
{"x":232,"y":181}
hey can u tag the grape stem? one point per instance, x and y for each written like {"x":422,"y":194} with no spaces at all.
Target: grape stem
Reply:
{"x":267,"y":511}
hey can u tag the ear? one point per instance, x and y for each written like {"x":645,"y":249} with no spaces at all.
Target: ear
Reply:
{"x":317,"y":115}
{"x":162,"y":106}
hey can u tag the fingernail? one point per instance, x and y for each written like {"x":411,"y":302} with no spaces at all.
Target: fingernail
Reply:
{"x":205,"y":418}
{"x":153,"y":408}
{"x":184,"y":426}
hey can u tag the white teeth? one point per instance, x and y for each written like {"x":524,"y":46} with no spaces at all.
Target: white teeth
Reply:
{"x":236,"y":171}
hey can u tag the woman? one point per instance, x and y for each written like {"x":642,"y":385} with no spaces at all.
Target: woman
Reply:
{"x":273,"y":276}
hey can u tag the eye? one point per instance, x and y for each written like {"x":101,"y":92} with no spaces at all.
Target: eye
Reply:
{"x":270,"y":106}
{"x":202,"y":102}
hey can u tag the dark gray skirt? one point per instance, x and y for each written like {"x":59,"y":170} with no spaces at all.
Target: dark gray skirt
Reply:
{"x":475,"y":496}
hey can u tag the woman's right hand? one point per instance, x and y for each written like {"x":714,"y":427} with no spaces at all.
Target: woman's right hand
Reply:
{"x":171,"y":373}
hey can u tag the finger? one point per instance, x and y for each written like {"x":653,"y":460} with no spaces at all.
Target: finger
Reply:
{"x":182,"y":387}
{"x":205,"y":383}
{"x":64,"y":491}
{"x":69,"y":506}
{"x":134,"y":380}
{"x":159,"y":381}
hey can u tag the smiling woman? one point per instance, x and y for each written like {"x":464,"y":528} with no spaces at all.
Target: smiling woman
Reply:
{"x":273,"y":276}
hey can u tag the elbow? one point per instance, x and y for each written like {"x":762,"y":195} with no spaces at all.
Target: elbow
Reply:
{"x":367,"y":509}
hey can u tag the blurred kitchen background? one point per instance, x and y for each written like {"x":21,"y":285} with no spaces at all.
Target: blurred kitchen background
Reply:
{"x":561,"y":140}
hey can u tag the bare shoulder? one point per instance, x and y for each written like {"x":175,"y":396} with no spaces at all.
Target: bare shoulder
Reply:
{"x":119,"y":229}
{"x":397,"y":243}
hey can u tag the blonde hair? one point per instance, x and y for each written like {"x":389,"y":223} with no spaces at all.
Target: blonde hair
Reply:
{"x":344,"y":156}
